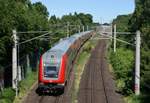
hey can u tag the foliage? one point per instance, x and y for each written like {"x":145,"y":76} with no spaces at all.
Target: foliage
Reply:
{"x":8,"y":96}
{"x":137,"y":99}
{"x":132,"y":99}
{"x":25,"y":86}
{"x":78,"y":19}
{"x":122,"y":22}
{"x":122,"y":62}
{"x":141,"y":21}
{"x":22,"y":15}
{"x":74,"y":20}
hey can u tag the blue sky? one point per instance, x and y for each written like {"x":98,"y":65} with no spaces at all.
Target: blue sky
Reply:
{"x":102,"y":10}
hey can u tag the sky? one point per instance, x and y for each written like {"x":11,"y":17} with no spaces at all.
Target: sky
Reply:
{"x":101,"y":10}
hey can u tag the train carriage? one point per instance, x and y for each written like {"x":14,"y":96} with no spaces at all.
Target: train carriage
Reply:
{"x":55,"y":64}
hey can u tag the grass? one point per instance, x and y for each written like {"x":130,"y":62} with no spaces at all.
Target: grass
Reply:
{"x":142,"y":98}
{"x":79,"y":66}
{"x":132,"y":99}
{"x":25,"y":85}
{"x":7,"y":96}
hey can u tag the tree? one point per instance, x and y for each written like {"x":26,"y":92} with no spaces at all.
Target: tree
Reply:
{"x":22,"y":16}
{"x":140,"y":21}
{"x":41,"y":8}
{"x":53,"y":20}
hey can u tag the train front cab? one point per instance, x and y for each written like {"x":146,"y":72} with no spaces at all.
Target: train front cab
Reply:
{"x":52,"y":77}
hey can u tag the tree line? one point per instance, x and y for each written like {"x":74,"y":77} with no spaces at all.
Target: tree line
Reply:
{"x":139,"y":20}
{"x":23,"y":16}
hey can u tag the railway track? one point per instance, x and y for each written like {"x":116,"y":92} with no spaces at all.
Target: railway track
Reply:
{"x":96,"y":85}
{"x":64,"y":98}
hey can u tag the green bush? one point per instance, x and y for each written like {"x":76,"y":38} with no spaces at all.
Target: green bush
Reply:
{"x":132,"y":99}
{"x":8,"y":95}
{"x":26,"y":84}
{"x":123,"y":65}
{"x":87,"y":47}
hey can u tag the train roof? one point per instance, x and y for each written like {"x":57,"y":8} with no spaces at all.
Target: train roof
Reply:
{"x":63,"y":45}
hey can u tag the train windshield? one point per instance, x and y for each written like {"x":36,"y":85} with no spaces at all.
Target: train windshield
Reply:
{"x":50,"y":72}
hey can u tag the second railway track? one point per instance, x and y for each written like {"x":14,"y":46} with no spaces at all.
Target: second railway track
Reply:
{"x":96,"y":85}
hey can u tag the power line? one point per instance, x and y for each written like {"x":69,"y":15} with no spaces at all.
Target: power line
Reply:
{"x":120,"y":32}
{"x":117,"y":40}
{"x":125,"y":33}
{"x":32,"y":39}
{"x":32,"y":32}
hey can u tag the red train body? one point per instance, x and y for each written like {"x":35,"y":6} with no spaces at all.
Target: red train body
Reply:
{"x":55,"y":64}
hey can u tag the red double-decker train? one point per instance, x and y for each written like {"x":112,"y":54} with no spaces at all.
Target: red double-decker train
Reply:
{"x":55,"y":64}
